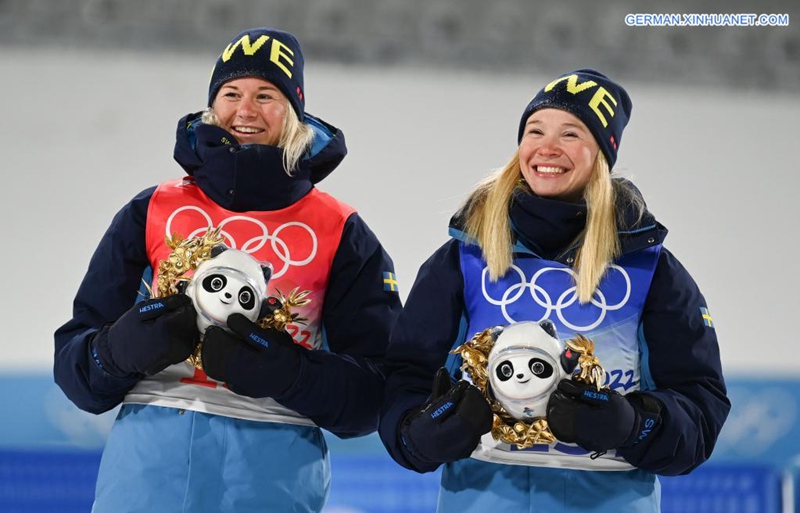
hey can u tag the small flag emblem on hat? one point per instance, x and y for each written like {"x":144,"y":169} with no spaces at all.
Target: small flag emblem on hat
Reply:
{"x":707,"y":320}
{"x":390,"y":282}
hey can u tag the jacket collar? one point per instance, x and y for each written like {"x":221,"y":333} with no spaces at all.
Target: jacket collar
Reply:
{"x":252,"y":177}
{"x":547,"y":228}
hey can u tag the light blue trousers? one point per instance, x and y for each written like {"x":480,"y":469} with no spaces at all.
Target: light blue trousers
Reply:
{"x":475,"y":486}
{"x":167,"y":460}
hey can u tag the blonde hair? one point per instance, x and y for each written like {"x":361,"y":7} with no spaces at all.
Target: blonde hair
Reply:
{"x":488,"y":223}
{"x":295,"y":137}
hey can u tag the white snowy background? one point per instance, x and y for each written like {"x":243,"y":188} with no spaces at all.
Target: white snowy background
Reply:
{"x":82,"y":132}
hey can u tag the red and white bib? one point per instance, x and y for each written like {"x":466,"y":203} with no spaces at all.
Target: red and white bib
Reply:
{"x":300,"y":242}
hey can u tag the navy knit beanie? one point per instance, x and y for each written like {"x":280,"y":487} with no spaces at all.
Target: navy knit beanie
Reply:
{"x":265,"y":53}
{"x":603,"y":106}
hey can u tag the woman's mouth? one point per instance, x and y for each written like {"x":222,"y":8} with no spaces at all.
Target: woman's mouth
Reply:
{"x":550,"y":170}
{"x":247,"y":130}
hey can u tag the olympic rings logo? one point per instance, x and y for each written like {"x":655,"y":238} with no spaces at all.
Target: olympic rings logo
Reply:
{"x":254,"y":244}
{"x":541,"y":297}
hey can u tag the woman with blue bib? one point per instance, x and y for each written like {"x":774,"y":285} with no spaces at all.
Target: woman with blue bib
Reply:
{"x":554,"y":236}
{"x":241,"y":432}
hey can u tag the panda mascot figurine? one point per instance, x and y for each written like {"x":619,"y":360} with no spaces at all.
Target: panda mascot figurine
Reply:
{"x":525,"y":365}
{"x":229,"y":282}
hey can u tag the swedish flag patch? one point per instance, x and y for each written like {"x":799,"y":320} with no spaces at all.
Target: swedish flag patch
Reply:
{"x":707,"y":320}
{"x":390,"y":282}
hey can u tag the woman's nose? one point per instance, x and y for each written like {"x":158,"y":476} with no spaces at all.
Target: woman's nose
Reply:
{"x":246,"y":109}
{"x":548,"y":147}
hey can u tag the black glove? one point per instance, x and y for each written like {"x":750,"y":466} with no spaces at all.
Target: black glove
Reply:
{"x":148,"y":338}
{"x":253,"y":361}
{"x":450,"y":425}
{"x":601,"y":420}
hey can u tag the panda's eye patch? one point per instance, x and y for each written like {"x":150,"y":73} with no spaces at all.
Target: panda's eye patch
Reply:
{"x":214,"y":283}
{"x":505,"y":370}
{"x":540,"y":368}
{"x":246,"y":298}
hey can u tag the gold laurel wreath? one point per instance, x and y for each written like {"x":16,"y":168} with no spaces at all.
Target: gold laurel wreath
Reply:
{"x":187,"y":255}
{"x":475,"y":356}
{"x":282,"y":316}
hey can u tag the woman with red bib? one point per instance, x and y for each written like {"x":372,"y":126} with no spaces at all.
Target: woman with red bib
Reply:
{"x":243,"y":434}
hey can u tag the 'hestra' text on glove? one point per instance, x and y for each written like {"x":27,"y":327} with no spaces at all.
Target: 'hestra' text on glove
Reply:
{"x":253,"y":361}
{"x":148,"y":338}
{"x":601,"y":420}
{"x":450,"y":425}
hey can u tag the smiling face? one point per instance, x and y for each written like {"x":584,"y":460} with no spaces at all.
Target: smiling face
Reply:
{"x":222,"y":294}
{"x":523,"y":376}
{"x":252,"y":110}
{"x":524,"y":369}
{"x":557,"y":154}
{"x":229,"y":282}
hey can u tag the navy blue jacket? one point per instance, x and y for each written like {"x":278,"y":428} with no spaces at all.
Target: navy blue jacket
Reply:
{"x":684,"y":358}
{"x":341,"y":389}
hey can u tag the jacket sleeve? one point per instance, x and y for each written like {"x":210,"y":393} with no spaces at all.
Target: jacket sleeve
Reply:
{"x":341,"y":389}
{"x":426,"y":330}
{"x":108,"y":290}
{"x":684,"y":365}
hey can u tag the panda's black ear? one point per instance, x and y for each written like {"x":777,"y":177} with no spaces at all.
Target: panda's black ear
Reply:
{"x":569,"y":360}
{"x":181,"y":286}
{"x":268,"y":306}
{"x":266,"y":269}
{"x":218,"y":250}
{"x":548,"y":326}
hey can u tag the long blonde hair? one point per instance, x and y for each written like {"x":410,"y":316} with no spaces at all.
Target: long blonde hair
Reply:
{"x":295,"y":137}
{"x":488,"y":223}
